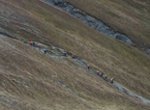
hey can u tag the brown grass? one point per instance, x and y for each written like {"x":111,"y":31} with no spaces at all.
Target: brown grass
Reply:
{"x":130,"y":66}
{"x":127,"y":16}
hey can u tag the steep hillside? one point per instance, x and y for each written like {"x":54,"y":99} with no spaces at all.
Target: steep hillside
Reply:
{"x":30,"y":79}
{"x":128,"y":16}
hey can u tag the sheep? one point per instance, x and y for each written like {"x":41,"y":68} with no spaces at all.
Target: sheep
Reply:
{"x":112,"y":80}
{"x":101,"y":74}
{"x":105,"y":77}
{"x":88,"y":66}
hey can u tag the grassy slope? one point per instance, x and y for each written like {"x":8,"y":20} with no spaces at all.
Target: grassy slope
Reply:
{"x":128,"y":16}
{"x":110,"y":56}
{"x":32,"y":80}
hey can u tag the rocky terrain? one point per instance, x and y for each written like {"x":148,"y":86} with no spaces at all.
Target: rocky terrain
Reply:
{"x":58,"y":55}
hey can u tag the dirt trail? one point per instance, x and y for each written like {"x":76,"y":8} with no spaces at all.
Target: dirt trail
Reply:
{"x":55,"y":52}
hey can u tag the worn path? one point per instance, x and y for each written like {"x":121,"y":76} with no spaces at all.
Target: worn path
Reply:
{"x":55,"y":52}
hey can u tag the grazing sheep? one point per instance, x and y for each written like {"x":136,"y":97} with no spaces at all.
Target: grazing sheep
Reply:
{"x":75,"y":57}
{"x":97,"y":72}
{"x":101,"y":74}
{"x":45,"y":51}
{"x":88,"y":66}
{"x":112,"y":80}
{"x":69,"y":53}
{"x":65,"y":54}
{"x":105,"y":77}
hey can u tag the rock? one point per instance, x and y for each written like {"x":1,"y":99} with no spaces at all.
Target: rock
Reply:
{"x":91,"y":21}
{"x":123,"y":38}
{"x":58,"y":2}
{"x":148,"y":51}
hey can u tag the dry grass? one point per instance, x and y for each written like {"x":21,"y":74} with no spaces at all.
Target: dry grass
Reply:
{"x":128,"y":65}
{"x":33,"y":81}
{"x":128,"y":16}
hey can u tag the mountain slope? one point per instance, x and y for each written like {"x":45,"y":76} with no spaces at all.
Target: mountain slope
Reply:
{"x":31,"y":80}
{"x":128,"y":16}
{"x":47,"y":83}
